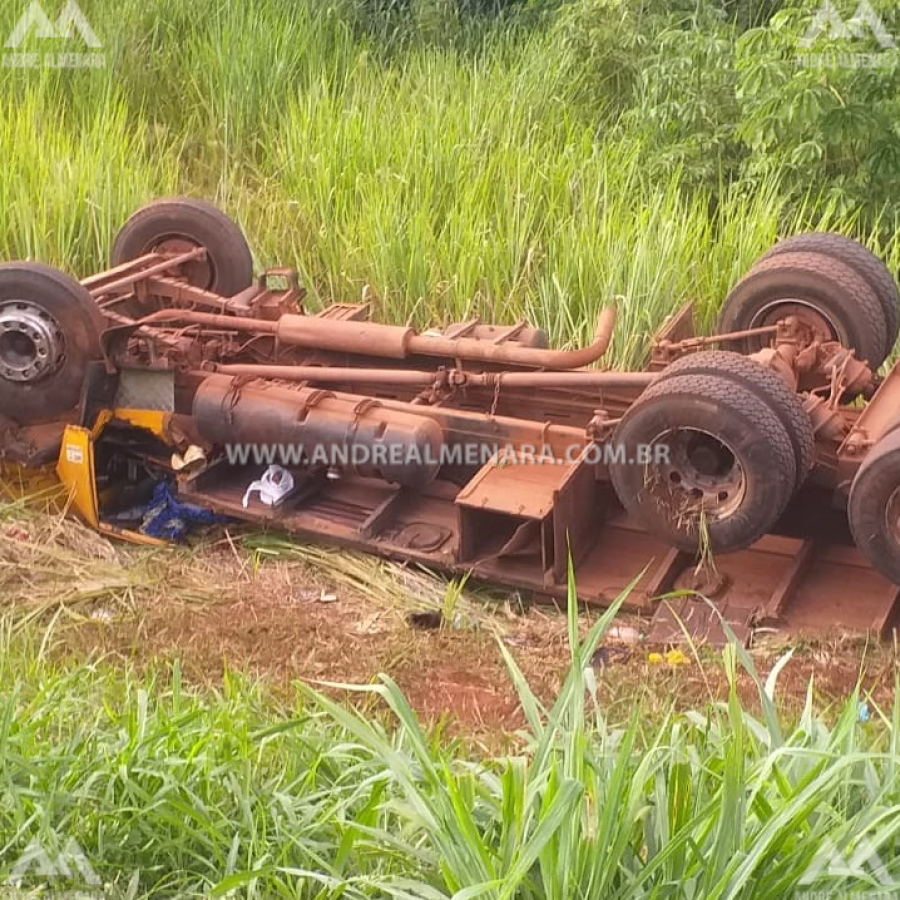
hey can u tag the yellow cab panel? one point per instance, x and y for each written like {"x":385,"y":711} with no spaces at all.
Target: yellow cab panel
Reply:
{"x":77,"y":467}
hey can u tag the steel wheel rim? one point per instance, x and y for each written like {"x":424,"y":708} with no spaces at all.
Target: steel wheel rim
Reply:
{"x":703,"y":473}
{"x":32,"y":344}
{"x":823,"y":327}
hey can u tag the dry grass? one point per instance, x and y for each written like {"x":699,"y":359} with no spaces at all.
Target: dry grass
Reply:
{"x":396,"y":589}
{"x":287,"y":611}
{"x":52,"y":567}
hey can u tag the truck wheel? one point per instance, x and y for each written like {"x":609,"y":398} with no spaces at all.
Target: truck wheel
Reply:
{"x":831,"y":298}
{"x":858,"y":257}
{"x":708,"y":463}
{"x":49,"y":331}
{"x":764,"y":383}
{"x":180,"y":224}
{"x":873,"y":509}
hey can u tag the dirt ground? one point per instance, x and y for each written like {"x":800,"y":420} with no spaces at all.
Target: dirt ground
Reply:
{"x":290,"y":619}
{"x":288,"y":611}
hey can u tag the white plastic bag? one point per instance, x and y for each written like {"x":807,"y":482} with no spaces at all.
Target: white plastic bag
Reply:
{"x":276,"y":483}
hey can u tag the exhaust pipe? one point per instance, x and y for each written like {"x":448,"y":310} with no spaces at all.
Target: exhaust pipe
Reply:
{"x":386,"y":341}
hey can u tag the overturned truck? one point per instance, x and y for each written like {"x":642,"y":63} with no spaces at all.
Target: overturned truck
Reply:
{"x":757,"y":468}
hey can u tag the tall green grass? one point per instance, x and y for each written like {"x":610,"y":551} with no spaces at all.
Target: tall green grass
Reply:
{"x":172,"y":791}
{"x":65,"y":184}
{"x":455,"y":169}
{"x":455,"y":172}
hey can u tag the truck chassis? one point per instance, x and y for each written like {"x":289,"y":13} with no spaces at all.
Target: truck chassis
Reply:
{"x":755,"y":472}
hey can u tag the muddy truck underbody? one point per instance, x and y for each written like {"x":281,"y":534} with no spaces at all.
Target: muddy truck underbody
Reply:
{"x":752,"y":475}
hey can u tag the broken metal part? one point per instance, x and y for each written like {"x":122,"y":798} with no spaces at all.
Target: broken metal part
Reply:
{"x":32,"y":445}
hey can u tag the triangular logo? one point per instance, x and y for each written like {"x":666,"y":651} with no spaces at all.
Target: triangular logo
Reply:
{"x":866,"y":16}
{"x":33,"y":17}
{"x":71,"y":864}
{"x":70,"y":21}
{"x":863,"y":864}
{"x":828,"y":22}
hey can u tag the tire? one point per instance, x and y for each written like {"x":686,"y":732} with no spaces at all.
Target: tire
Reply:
{"x":874,"y":504}
{"x":49,"y":332}
{"x":842,"y":299}
{"x":764,"y":383}
{"x":183,"y":223}
{"x":706,"y":422}
{"x":859,"y":258}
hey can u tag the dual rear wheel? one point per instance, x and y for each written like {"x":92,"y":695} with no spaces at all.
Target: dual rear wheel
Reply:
{"x":728,"y":445}
{"x":730,"y":442}
{"x":843,"y":292}
{"x":727,"y":454}
{"x":833,"y":284}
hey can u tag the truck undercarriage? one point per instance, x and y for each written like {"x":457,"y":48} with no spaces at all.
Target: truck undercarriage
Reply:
{"x":755,"y":472}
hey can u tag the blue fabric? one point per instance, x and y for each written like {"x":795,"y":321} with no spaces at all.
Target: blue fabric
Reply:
{"x":167,"y":518}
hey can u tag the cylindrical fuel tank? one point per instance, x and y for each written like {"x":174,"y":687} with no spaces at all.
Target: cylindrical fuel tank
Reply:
{"x":354,"y":433}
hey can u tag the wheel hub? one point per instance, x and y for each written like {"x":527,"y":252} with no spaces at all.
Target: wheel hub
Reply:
{"x":32,"y":344}
{"x":198,"y":272}
{"x":702,"y":472}
{"x":821,"y":327}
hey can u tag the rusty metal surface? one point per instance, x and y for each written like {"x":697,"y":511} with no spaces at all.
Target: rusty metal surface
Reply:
{"x":30,"y":445}
{"x":252,"y":369}
{"x":695,"y":619}
{"x":106,"y":286}
{"x":398,"y":447}
{"x":452,"y":378}
{"x":391,"y":341}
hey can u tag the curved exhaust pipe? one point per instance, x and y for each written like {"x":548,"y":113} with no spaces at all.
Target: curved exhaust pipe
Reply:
{"x":375,"y":339}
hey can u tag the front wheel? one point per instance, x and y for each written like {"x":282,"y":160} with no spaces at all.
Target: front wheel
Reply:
{"x":49,"y":331}
{"x":181,"y":224}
